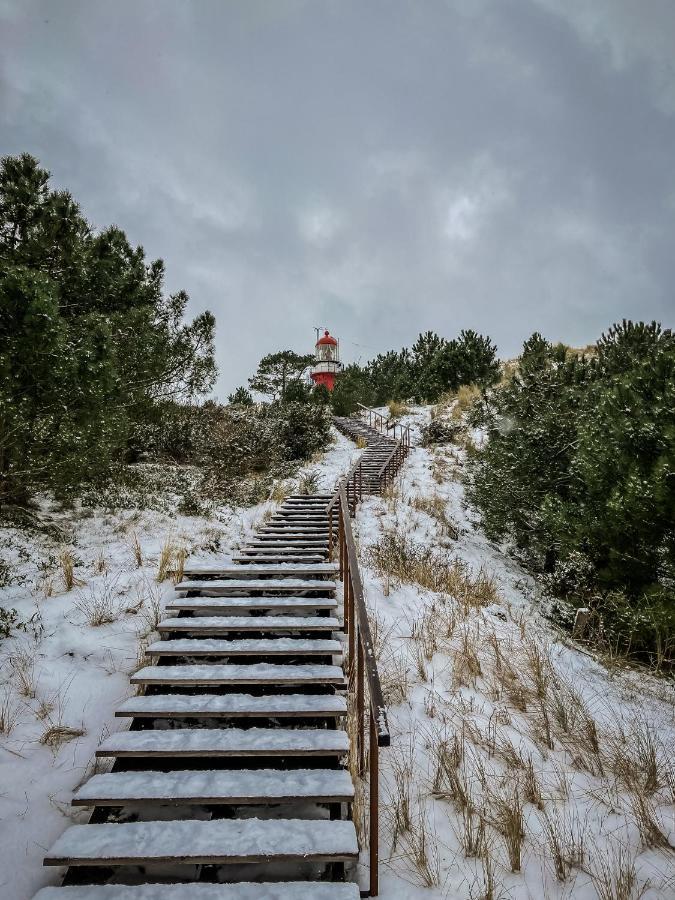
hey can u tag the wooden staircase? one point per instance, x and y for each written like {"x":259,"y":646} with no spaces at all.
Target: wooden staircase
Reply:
{"x":232,"y":781}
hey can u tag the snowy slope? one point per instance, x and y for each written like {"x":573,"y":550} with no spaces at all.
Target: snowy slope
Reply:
{"x":470,"y":733}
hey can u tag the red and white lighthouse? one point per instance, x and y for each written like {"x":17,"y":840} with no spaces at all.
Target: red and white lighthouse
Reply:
{"x":327,"y":365}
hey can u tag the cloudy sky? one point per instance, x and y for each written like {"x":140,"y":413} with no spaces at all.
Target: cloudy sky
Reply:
{"x":379,"y":167}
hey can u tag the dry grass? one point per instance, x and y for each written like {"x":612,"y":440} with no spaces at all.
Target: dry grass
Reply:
{"x":420,"y":845}
{"x":361,"y":442}
{"x":466,"y":667}
{"x":136,"y":550}
{"x":407,"y":562}
{"x":401,"y":763}
{"x":100,"y":564}
{"x":436,"y":507}
{"x":100,"y":604}
{"x":22,"y":662}
{"x":397,"y":409}
{"x":507,"y":810}
{"x":465,"y":398}
{"x":56,"y":735}
{"x":615,"y":877}
{"x":279,"y":492}
{"x":9,"y":710}
{"x":565,"y":836}
{"x":646,"y":818}
{"x":67,"y":563}
{"x":166,"y":558}
{"x":309,"y":483}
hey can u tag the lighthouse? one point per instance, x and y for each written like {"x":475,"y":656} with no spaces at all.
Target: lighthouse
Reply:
{"x":327,"y":365}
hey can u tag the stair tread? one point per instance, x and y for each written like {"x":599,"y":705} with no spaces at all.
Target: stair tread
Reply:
{"x":226,"y":742}
{"x":261,"y":569}
{"x":249,"y":623}
{"x":208,"y":705}
{"x":224,"y":786}
{"x":245,"y":647}
{"x":222,"y":673}
{"x":207,"y":842}
{"x":267,"y":584}
{"x":216,"y":601}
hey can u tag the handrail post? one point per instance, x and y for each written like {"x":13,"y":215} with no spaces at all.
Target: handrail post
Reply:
{"x":374,"y":808}
{"x":360,"y":706}
{"x":330,"y":533}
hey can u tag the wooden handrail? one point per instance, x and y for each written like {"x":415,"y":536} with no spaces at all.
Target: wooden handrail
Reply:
{"x":361,"y":661}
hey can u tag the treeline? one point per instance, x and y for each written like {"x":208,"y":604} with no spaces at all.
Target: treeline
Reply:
{"x":91,"y":347}
{"x":422,"y":373}
{"x":578,"y":474}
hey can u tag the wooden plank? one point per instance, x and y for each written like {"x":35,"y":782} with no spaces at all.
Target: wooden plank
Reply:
{"x":219,"y":588}
{"x":278,"y":604}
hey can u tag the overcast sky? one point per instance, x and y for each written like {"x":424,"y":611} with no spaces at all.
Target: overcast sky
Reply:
{"x":378,"y":168}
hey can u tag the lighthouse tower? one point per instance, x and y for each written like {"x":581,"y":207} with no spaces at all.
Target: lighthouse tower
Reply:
{"x":327,"y":365}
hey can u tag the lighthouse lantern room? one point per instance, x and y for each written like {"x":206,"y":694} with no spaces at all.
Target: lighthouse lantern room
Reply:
{"x":327,"y":365}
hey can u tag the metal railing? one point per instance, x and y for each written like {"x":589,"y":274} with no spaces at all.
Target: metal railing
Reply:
{"x":371,"y":725}
{"x":379,"y":423}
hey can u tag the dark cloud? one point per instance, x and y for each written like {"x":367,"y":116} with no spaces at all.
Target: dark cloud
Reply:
{"x":381,"y":167}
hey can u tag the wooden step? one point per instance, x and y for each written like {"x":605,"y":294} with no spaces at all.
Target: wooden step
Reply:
{"x":246,"y":647}
{"x":220,"y":588}
{"x":220,"y":787}
{"x":226,"y":742}
{"x":289,"y":890}
{"x":215,"y":842}
{"x":212,"y":625}
{"x":277,"y":604}
{"x":223,"y":572}
{"x":198,"y":706}
{"x":222,"y":673}
{"x":275,"y":540}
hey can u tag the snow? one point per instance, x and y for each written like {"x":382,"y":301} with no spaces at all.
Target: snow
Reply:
{"x":195,"y":839}
{"x":79,"y":673}
{"x":257,"y":569}
{"x":184,"y":785}
{"x":250,"y":623}
{"x":226,"y":740}
{"x":233,"y":674}
{"x":299,"y":890}
{"x":206,"y":705}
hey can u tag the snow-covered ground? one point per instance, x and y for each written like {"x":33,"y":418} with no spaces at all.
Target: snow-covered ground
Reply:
{"x":62,"y":678}
{"x":492,"y":709}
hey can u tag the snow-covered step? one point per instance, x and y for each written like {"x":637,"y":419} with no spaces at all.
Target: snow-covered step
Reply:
{"x":213,"y":625}
{"x":279,"y":604}
{"x":223,"y":786}
{"x":225,"y":742}
{"x":256,"y":673}
{"x":245,"y":647}
{"x":222,"y":572}
{"x":290,"y":528}
{"x":272,"y":540}
{"x":250,"y":557}
{"x":219,"y":588}
{"x":233,"y":706}
{"x":289,"y":890}
{"x":219,"y":841}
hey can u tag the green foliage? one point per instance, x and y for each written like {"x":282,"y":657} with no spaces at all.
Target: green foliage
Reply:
{"x":89,"y":343}
{"x":279,"y":372}
{"x":241,"y":397}
{"x":432,"y":366}
{"x":578,"y":472}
